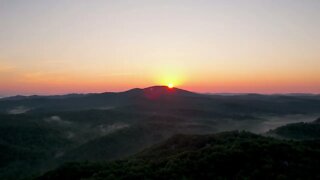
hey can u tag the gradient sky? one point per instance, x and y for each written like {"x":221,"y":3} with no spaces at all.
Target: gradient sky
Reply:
{"x":59,"y":46}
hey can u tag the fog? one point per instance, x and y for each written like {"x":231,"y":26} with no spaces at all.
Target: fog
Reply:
{"x":277,"y":121}
{"x":264,"y":123}
{"x":58,"y":120}
{"x":18,"y":110}
{"x":107,"y":129}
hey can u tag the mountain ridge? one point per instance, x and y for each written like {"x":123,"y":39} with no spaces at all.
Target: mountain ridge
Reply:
{"x":157,"y":88}
{"x":147,"y":89}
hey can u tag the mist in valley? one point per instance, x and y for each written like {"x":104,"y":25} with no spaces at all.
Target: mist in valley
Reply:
{"x":113,"y":126}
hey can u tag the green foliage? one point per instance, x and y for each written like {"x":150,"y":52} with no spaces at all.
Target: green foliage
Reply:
{"x":234,"y":155}
{"x":299,"y":131}
{"x":27,"y":146}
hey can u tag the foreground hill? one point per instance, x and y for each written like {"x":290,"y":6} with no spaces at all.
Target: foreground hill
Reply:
{"x":298,"y":131}
{"x":232,"y":155}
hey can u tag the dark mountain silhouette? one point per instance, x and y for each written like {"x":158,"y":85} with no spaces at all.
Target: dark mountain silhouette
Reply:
{"x":91,"y":101}
{"x":153,"y":90}
{"x":159,"y":91}
{"x":317,"y":120}
{"x":162,"y":97}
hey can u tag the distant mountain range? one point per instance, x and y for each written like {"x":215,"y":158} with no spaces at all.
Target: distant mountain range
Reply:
{"x":162,"y":94}
{"x":154,"y":90}
{"x":39,"y":133}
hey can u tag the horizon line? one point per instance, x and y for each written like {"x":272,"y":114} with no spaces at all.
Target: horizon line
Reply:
{"x":121,"y":91}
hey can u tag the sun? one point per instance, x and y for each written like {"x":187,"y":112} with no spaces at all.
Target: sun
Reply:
{"x":170,"y":85}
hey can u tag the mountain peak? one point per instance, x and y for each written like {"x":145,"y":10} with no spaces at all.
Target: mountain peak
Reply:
{"x":166,"y":89}
{"x":157,"y":91}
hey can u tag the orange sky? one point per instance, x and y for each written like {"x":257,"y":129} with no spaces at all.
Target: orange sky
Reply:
{"x":57,"y":47}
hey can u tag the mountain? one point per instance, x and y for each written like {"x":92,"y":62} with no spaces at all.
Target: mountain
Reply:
{"x":91,"y":101}
{"x":231,"y":155}
{"x":158,"y":91}
{"x":39,"y":133}
{"x":166,"y":98}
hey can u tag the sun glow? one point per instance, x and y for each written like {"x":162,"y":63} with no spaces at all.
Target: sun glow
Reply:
{"x":170,"y":85}
{"x":170,"y":76}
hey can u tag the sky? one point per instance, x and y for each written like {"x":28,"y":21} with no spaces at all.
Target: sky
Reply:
{"x":238,"y":46}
